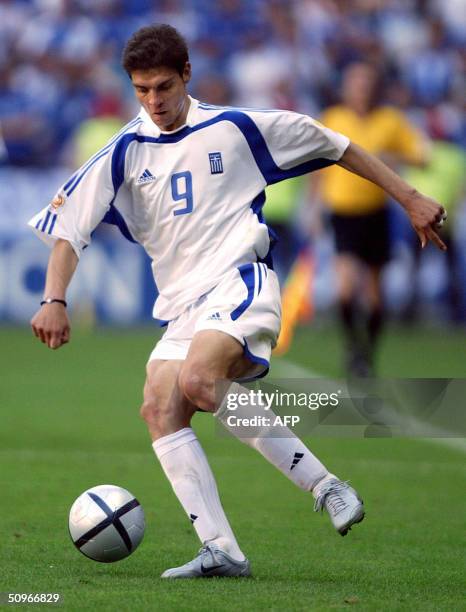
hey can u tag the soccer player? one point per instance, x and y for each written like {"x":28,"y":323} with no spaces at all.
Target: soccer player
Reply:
{"x":186,"y":180}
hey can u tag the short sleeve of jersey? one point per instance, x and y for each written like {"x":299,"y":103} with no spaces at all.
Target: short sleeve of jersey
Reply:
{"x":79,"y":205}
{"x":297,"y":143}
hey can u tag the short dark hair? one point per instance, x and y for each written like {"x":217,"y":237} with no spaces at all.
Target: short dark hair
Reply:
{"x":153,"y":47}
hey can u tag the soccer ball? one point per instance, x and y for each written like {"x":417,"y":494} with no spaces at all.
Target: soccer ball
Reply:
{"x":106,"y":523}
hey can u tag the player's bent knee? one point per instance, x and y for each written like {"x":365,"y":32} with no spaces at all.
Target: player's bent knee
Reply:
{"x":198,"y":389}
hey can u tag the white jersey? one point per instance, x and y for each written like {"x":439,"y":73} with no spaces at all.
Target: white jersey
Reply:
{"x":193,"y":197}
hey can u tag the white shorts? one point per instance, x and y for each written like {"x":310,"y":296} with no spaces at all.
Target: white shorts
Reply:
{"x":246,"y":305}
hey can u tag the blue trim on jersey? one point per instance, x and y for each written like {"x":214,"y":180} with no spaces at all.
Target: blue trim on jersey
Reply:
{"x":114,"y":217}
{"x":271,"y":172}
{"x":256,"y":207}
{"x":84,"y":172}
{"x":247,"y":274}
{"x":264,"y":160}
{"x":269,"y":169}
{"x":118,"y":159}
{"x":70,"y":180}
{"x":125,"y":128}
{"x":161,"y":322}
{"x":46,"y":220}
{"x":259,"y":271}
{"x":52,"y":225}
{"x":74,"y":181}
{"x":213,"y":107}
{"x":128,"y":126}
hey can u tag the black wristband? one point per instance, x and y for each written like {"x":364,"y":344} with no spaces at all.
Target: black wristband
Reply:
{"x":52,"y":300}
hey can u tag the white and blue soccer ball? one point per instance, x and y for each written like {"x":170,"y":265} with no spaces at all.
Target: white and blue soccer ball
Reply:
{"x":106,"y":523}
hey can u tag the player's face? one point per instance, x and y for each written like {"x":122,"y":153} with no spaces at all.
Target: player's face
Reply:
{"x":162,"y":93}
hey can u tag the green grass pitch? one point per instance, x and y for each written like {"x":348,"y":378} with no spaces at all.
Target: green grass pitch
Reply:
{"x":70,"y":421}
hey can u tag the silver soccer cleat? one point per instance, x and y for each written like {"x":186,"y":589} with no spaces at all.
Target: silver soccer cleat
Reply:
{"x":342,"y":503}
{"x":210,"y":562}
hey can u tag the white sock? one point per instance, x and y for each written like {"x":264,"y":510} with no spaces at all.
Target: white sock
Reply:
{"x":318,"y":486}
{"x":189,"y":473}
{"x":278,"y":444}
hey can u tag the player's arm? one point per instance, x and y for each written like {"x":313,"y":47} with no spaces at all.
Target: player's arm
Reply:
{"x":51,"y":324}
{"x":423,"y":212}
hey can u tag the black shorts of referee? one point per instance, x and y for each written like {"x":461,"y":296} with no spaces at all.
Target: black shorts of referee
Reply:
{"x":366,"y":236}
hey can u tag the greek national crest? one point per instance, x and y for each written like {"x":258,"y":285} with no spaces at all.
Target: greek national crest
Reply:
{"x":216,"y":163}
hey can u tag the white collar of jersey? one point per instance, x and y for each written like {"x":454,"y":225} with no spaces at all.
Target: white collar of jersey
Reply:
{"x":190,"y":119}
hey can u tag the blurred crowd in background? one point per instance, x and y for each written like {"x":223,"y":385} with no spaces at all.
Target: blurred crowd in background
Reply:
{"x":63,"y":92}
{"x":59,"y":59}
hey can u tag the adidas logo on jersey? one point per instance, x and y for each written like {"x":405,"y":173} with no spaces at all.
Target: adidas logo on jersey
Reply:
{"x":146,"y":177}
{"x":214,"y":317}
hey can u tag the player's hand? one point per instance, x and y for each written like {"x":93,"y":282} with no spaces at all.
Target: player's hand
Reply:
{"x":51,"y":325}
{"x":427,"y":216}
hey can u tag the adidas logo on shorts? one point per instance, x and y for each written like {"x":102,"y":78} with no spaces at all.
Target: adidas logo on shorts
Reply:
{"x":214,"y":317}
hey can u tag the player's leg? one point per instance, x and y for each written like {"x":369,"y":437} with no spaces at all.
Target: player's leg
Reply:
{"x":347,"y":270}
{"x":215,"y":356}
{"x":350,"y":238}
{"x":375,"y":315}
{"x":168,"y":413}
{"x":348,"y":277}
{"x":165,"y":409}
{"x":283,"y":449}
{"x":375,"y":255}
